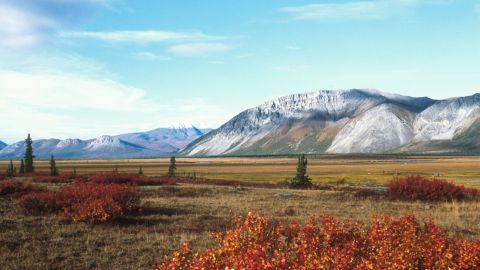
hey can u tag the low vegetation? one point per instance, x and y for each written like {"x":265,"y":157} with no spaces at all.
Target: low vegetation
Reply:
{"x":16,"y":188}
{"x":145,"y":218}
{"x":78,"y":202}
{"x":418,"y":188}
{"x":388,"y":243}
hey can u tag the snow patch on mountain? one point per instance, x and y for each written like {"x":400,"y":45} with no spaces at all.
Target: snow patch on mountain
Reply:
{"x":158,"y":142}
{"x":380,"y":129}
{"x":445,"y":119}
{"x":325,"y":106}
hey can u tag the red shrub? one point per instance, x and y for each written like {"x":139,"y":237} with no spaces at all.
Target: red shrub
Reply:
{"x":16,"y":188}
{"x":132,"y":179}
{"x":156,"y":181}
{"x":34,"y":174}
{"x":50,"y":179}
{"x":414,"y":188}
{"x":39,"y":203}
{"x":389,"y":243}
{"x":94,"y":203}
{"x":2,"y":176}
{"x":97,"y":203}
{"x":114,"y":178}
{"x":68,"y":175}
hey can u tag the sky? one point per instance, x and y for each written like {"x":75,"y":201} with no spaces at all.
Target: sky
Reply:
{"x":85,"y":68}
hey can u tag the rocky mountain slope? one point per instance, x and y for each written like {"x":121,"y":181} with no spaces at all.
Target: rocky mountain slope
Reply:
{"x":349,"y":121}
{"x":158,"y":142}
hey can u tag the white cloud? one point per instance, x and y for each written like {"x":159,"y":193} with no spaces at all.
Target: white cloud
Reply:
{"x":21,"y":28}
{"x":150,"y":56}
{"x":50,"y":91}
{"x":145,"y":36}
{"x":358,"y":10}
{"x":199,"y":49}
{"x":54,"y":104}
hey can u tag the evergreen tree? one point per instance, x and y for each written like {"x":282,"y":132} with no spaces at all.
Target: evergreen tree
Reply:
{"x":115,"y":169}
{"x":173,"y":167}
{"x":10,"y":169}
{"x":29,"y":155}
{"x":22,"y":167}
{"x":301,"y":178}
{"x":74,"y":171}
{"x":140,"y":171}
{"x":53,"y":167}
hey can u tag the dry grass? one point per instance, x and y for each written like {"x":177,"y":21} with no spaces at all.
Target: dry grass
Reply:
{"x":172,"y":215}
{"x":363,"y":171}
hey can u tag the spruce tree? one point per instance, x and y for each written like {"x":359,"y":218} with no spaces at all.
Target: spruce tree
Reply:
{"x":22,"y":167}
{"x":29,"y":155}
{"x":53,"y":167}
{"x":10,"y":169}
{"x":172,"y":168}
{"x":301,"y":178}
{"x":140,"y":171}
{"x":74,"y":171}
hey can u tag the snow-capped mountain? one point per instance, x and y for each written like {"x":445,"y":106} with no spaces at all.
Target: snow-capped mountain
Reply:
{"x":2,"y":145}
{"x":347,"y":121}
{"x":158,"y":142}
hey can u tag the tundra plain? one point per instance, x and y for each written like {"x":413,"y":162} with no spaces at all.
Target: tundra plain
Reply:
{"x":172,"y":215}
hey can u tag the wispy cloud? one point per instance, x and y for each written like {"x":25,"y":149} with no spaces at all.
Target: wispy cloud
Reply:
{"x":64,"y":91}
{"x":20,"y":28}
{"x":144,"y":36}
{"x":354,"y":10}
{"x":28,"y":23}
{"x":150,"y":56}
{"x":199,"y":49}
{"x":71,"y":96}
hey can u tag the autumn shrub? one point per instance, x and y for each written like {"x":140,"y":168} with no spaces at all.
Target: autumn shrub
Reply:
{"x":156,"y":181}
{"x":114,"y":178}
{"x":90,"y":202}
{"x":16,"y":188}
{"x":40,"y":202}
{"x":34,"y":174}
{"x":50,"y":179}
{"x":388,"y":243}
{"x":413,"y":188}
{"x":3,"y":176}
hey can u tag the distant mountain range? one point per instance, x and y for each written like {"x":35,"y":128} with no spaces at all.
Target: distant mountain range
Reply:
{"x":346,"y":121}
{"x":2,"y":145}
{"x":349,"y":121}
{"x":158,"y":142}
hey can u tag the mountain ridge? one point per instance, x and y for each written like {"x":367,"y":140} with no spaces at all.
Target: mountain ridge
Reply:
{"x":157,"y":142}
{"x":342,"y":121}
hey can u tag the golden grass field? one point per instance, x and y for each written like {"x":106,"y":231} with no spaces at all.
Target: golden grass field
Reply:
{"x":361,"y":171}
{"x":172,"y":215}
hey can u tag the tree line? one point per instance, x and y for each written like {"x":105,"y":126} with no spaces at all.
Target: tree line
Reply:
{"x":301,"y":178}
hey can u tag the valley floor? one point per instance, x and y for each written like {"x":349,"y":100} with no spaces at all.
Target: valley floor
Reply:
{"x":362,"y":170}
{"x":172,"y":215}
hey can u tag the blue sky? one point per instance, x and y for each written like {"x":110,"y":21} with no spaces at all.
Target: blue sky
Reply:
{"x":84,"y":68}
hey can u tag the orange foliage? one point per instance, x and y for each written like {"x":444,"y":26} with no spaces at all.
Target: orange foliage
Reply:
{"x":389,"y":243}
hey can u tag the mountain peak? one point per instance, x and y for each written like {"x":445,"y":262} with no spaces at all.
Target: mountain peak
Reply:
{"x":346,"y":121}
